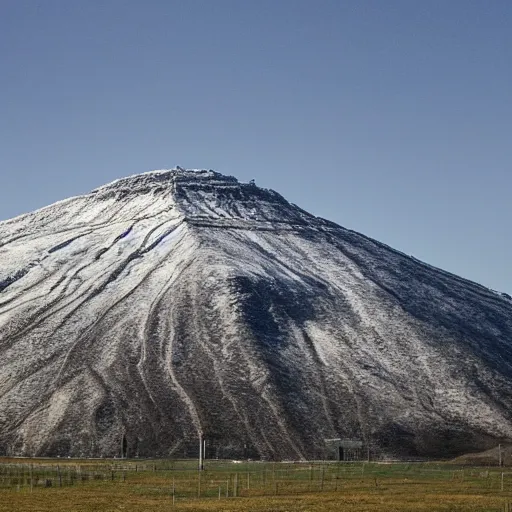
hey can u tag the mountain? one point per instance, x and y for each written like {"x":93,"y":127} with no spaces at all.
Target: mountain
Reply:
{"x":174,"y":303}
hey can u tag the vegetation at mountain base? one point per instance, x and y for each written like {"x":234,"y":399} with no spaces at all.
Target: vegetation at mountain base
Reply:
{"x":157,"y":486}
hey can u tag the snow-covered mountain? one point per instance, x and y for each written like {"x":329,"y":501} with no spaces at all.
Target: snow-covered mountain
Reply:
{"x":173,"y":303}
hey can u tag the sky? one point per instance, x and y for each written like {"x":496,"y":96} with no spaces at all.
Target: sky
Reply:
{"x":392,"y":118}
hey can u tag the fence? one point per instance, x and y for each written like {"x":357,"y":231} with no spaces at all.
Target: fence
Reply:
{"x":37,"y":475}
{"x":180,"y":480}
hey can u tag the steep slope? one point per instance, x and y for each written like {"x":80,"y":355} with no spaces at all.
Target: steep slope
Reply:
{"x":174,"y":303}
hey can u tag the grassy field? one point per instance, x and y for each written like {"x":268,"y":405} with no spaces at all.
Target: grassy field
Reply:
{"x":146,"y":486}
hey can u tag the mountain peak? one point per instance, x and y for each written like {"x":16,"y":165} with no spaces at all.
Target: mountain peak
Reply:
{"x":178,"y":302}
{"x":163,"y":177}
{"x":202,"y":195}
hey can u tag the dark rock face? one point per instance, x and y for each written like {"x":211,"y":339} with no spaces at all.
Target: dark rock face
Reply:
{"x":177,"y":302}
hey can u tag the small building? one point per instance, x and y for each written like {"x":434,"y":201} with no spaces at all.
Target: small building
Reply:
{"x":345,"y":449}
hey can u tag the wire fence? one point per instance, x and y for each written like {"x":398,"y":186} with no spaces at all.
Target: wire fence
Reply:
{"x":181,"y":480}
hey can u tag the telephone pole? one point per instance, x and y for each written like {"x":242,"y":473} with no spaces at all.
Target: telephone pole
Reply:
{"x":201,"y":465}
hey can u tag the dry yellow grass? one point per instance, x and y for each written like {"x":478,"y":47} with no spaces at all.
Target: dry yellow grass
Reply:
{"x":373,"y":488}
{"x":110,"y":498}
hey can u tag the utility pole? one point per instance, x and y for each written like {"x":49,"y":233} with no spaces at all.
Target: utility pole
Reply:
{"x":499,"y":455}
{"x":201,"y":451}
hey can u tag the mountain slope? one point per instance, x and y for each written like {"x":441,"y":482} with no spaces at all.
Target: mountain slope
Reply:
{"x":177,"y":302}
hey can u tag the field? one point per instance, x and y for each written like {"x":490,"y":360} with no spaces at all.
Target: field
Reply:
{"x":147,"y":486}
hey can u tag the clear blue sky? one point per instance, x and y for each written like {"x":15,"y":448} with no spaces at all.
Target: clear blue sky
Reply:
{"x":393,"y":118}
